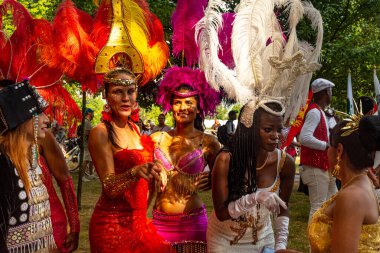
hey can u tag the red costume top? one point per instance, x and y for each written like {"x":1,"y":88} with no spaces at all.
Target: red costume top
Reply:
{"x":313,"y":157}
{"x":120,"y":225}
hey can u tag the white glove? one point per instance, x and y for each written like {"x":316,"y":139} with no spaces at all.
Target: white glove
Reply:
{"x":281,"y":228}
{"x":270,"y":200}
{"x":242,"y":205}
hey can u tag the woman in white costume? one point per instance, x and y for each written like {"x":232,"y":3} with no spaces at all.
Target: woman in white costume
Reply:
{"x":251,"y":179}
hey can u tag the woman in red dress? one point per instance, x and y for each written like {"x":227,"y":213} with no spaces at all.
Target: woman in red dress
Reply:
{"x":124,"y":162}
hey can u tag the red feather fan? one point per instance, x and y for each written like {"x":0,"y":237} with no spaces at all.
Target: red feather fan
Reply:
{"x":21,"y":55}
{"x":72,"y":51}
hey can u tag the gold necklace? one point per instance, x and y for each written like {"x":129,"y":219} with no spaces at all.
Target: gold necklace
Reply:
{"x":262,"y":166}
{"x":352,"y":179}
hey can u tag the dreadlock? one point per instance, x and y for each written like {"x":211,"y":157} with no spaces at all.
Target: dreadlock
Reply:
{"x":244,"y":147}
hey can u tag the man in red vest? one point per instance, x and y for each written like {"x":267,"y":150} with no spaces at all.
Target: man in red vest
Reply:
{"x":314,"y":139}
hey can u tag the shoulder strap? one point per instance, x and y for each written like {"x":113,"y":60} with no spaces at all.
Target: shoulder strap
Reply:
{"x":282,"y":161}
{"x":201,"y":143}
{"x":159,"y":141}
{"x":134,"y":127}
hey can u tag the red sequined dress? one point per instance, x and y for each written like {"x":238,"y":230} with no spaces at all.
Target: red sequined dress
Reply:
{"x":120,"y":224}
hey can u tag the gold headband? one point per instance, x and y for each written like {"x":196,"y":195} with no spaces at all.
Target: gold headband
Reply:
{"x":117,"y":81}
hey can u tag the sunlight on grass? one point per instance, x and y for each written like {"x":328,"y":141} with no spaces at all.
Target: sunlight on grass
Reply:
{"x":299,"y":207}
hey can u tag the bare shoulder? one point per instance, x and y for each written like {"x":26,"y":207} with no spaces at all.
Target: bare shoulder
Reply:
{"x":211,"y":141}
{"x":224,"y":158}
{"x":99,"y":132}
{"x":352,"y":198}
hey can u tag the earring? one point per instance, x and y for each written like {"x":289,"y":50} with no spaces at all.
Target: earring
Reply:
{"x":336,"y":170}
{"x":35,"y":145}
{"x":107,"y":108}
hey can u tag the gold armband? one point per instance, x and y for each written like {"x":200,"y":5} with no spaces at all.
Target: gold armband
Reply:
{"x":115,"y":185}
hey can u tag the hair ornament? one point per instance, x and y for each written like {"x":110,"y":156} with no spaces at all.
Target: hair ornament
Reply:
{"x":352,"y":125}
{"x":117,"y":81}
{"x":246,"y":117}
{"x":267,"y":63}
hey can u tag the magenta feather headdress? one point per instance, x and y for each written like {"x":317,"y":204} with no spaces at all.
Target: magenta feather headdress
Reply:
{"x":184,"y":19}
{"x":225,"y":51}
{"x":195,"y":78}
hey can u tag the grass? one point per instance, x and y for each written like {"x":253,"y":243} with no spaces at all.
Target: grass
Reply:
{"x":299,"y":206}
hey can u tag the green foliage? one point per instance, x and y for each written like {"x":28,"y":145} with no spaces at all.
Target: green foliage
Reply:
{"x":224,"y":108}
{"x":351,"y":42}
{"x":86,"y":5}
{"x":152,"y":113}
{"x":93,"y":101}
{"x":41,"y":8}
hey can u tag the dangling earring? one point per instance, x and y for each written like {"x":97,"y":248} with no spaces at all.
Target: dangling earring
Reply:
{"x":336,"y":170}
{"x":107,"y":108}
{"x":107,"y":113}
{"x":35,"y":152}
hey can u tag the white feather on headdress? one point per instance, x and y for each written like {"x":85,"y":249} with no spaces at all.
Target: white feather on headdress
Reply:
{"x":280,"y":70}
{"x":217,"y":73}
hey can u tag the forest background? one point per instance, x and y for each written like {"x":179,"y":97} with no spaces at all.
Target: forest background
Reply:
{"x":351,"y":43}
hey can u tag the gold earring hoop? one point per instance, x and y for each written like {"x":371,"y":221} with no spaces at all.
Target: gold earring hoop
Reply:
{"x":336,"y":170}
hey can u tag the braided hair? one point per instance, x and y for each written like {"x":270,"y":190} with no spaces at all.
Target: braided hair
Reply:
{"x":244,"y":148}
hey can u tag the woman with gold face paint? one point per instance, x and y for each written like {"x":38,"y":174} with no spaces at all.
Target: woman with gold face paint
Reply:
{"x":179,"y":213}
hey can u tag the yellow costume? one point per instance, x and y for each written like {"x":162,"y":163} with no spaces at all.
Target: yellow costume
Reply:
{"x":319,"y":232}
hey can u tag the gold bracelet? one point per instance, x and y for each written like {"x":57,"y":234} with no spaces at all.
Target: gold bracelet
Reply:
{"x":114,"y":185}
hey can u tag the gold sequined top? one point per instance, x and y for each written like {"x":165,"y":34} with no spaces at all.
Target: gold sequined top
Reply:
{"x":319,"y":232}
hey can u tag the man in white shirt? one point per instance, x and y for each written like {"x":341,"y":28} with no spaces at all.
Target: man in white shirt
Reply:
{"x":314,"y":139}
{"x":161,"y":127}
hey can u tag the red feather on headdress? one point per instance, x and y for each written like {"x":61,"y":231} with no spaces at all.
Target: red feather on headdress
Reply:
{"x":73,"y":51}
{"x":21,"y":54}
{"x":184,"y":19}
{"x":145,"y":31}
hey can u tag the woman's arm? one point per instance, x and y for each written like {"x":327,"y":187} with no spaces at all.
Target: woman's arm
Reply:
{"x":102,"y":156}
{"x":220,"y":185}
{"x":212,"y":148}
{"x":281,"y":222}
{"x":348,"y":217}
{"x":57,"y":165}
{"x":286,"y":182}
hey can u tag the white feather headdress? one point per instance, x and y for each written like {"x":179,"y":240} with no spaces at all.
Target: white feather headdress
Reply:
{"x":268,"y":68}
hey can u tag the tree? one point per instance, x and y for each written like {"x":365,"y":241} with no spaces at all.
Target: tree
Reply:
{"x":351,"y":42}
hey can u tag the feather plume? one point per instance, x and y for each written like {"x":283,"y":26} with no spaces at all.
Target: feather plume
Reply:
{"x":73,"y":52}
{"x":217,"y":73}
{"x":21,"y":39}
{"x":145,"y":30}
{"x":184,"y":19}
{"x":61,"y":108}
{"x":102,"y":25}
{"x":249,"y":40}
{"x":195,"y":78}
{"x":225,"y":51}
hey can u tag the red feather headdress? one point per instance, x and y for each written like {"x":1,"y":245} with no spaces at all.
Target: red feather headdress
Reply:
{"x":21,"y":59}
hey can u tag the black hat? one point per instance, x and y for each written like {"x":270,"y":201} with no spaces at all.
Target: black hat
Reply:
{"x":18,"y":103}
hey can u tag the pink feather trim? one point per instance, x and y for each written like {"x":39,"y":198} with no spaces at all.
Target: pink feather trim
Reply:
{"x":184,"y":19}
{"x":195,"y":78}
{"x":225,"y":53}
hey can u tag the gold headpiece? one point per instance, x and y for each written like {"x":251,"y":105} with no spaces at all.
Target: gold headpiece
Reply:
{"x":119,"y":49}
{"x":353,"y":121}
{"x":352,"y":125}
